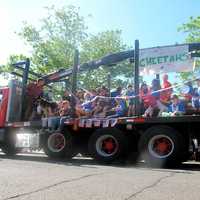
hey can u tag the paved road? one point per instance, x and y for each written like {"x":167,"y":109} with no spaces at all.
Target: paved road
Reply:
{"x":36,"y":177}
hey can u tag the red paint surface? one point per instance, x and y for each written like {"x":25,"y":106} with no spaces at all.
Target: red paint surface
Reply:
{"x":3,"y":106}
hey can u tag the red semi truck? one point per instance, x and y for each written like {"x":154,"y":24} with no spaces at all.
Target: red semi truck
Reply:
{"x":158,"y":140}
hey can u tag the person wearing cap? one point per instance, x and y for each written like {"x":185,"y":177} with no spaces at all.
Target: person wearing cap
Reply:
{"x":177,"y":107}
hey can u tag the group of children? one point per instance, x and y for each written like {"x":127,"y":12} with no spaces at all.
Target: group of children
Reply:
{"x":162,"y":98}
{"x":155,"y":100}
{"x":98,"y":103}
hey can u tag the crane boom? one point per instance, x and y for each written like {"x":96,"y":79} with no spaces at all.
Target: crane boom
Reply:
{"x":106,"y":60}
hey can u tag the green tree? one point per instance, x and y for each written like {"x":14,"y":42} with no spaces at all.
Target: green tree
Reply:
{"x":60,"y":33}
{"x":53,"y":44}
{"x":97,"y":46}
{"x":192,"y":29}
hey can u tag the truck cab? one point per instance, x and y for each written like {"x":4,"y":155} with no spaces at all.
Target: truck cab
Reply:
{"x":10,"y":103}
{"x":10,"y":110}
{"x":4,"y":97}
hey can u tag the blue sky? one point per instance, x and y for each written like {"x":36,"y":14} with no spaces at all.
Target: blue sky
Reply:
{"x":153,"y":22}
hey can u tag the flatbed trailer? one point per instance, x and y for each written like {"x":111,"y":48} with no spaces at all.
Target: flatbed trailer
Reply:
{"x":159,"y":141}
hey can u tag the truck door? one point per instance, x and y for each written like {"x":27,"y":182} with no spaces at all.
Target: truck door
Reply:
{"x":4,"y":93}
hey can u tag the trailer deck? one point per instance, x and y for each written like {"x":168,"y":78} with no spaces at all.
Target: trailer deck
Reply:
{"x":110,"y":122}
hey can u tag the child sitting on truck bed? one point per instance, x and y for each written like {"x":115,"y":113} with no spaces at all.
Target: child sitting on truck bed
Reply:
{"x":86,"y":108}
{"x":166,"y":92}
{"x":196,"y":100}
{"x":156,"y":93}
{"x":148,"y":101}
{"x":120,"y":109}
{"x":103,"y":103}
{"x":177,"y":107}
{"x":55,"y":118}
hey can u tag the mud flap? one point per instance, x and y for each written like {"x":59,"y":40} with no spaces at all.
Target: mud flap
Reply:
{"x":2,"y":135}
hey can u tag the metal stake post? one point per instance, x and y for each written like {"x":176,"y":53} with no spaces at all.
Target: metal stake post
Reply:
{"x":24,"y":84}
{"x":74,"y":81}
{"x":136,"y":77}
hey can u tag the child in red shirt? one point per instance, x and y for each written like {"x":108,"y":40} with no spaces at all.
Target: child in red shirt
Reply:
{"x":167,"y":91}
{"x":148,"y":100}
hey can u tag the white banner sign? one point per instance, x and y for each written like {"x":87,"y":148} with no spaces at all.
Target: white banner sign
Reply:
{"x":165,"y":59}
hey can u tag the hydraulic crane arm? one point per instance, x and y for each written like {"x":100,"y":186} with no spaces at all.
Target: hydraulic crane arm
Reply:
{"x":193,"y":48}
{"x":106,"y":60}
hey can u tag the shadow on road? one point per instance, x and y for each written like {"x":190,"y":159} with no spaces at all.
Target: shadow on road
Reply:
{"x":41,"y":158}
{"x":90,"y":163}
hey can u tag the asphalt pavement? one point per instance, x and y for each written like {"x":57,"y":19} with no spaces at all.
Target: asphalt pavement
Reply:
{"x":36,"y":177}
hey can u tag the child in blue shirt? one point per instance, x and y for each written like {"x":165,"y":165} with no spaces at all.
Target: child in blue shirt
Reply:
{"x":119,"y":109}
{"x":176,"y":107}
{"x":195,"y":100}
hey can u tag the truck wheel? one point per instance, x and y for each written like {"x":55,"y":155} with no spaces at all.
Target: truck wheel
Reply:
{"x":9,"y":147}
{"x":107,"y":145}
{"x":58,"y":145}
{"x":161,"y":146}
{"x":10,"y":150}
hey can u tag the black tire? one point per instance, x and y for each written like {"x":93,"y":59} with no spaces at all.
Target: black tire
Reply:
{"x":117,"y":148}
{"x":58,"y":145}
{"x":10,"y":150}
{"x":9,"y":147}
{"x":161,"y":146}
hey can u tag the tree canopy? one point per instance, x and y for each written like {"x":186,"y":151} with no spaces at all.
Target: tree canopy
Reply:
{"x":192,"y":29}
{"x":62,"y":31}
{"x":54,"y":42}
{"x":97,"y":46}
